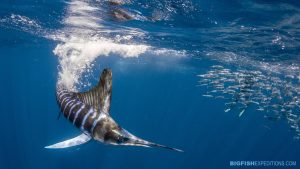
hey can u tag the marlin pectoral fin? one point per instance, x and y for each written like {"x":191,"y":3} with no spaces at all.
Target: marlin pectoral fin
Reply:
{"x":83,"y":138}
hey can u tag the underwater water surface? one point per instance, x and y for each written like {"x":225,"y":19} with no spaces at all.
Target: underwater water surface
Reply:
{"x":218,"y":79}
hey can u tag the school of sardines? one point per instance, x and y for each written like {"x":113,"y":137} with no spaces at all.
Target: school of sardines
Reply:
{"x":275,"y":96}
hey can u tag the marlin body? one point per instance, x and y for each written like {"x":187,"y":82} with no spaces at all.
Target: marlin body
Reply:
{"x":89,"y":111}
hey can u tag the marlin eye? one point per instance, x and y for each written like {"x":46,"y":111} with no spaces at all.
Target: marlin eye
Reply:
{"x":122,"y":139}
{"x":125,"y":139}
{"x":119,"y":140}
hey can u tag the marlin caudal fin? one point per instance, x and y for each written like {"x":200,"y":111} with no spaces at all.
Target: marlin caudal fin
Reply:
{"x":100,"y":96}
{"x":83,"y":138}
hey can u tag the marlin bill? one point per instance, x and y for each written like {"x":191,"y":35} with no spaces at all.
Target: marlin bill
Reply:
{"x":90,"y":112}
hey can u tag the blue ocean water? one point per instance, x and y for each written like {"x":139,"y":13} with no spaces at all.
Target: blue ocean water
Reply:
{"x":161,"y":59}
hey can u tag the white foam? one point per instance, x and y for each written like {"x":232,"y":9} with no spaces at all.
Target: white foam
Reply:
{"x":80,"y":43}
{"x":82,"y":21}
{"x":19,"y":19}
{"x":77,"y":54}
{"x":169,"y":52}
{"x":81,"y":14}
{"x":81,"y":7}
{"x":23,"y":23}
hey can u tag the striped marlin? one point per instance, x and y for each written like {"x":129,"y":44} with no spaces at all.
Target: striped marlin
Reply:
{"x":90,"y":112}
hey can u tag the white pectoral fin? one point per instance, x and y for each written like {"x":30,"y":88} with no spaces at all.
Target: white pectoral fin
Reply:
{"x":83,"y":138}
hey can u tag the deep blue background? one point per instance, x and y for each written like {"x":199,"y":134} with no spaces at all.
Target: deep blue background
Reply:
{"x":154,"y":98}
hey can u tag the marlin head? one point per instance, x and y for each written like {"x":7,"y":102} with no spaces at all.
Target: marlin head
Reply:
{"x":120,"y":136}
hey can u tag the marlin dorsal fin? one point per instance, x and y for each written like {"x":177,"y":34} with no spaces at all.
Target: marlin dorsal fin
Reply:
{"x":99,"y":96}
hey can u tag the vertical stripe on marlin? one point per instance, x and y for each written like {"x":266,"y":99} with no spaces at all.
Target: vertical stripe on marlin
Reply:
{"x":62,"y":101}
{"x":62,"y":96}
{"x":68,"y":107}
{"x":100,"y":116}
{"x":74,"y":111}
{"x":88,"y":124}
{"x":86,"y":99}
{"x":72,"y":107}
{"x":81,"y":115}
{"x":90,"y":112}
{"x":92,"y":98}
{"x":60,"y":92}
{"x":98,"y":100}
{"x":78,"y":112}
{"x":89,"y":98}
